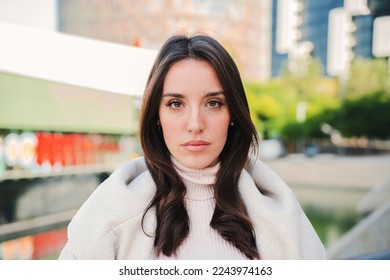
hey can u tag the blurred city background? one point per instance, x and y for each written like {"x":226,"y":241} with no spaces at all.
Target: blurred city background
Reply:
{"x":317,"y":77}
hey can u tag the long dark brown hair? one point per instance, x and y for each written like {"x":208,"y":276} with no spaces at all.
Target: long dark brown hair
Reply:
{"x":230,"y":217}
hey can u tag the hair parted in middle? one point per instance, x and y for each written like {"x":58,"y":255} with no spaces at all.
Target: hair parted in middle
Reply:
{"x":230,"y":217}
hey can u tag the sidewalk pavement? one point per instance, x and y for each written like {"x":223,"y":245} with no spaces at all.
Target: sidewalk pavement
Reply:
{"x":332,"y":181}
{"x":328,"y":170}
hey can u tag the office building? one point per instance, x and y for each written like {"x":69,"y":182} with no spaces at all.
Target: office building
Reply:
{"x":334,"y":32}
{"x":242,"y":26}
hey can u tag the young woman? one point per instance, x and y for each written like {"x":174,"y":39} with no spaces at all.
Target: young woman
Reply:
{"x":199,"y":192}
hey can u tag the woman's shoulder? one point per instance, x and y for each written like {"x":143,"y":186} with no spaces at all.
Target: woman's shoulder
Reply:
{"x":121,"y":197}
{"x":283,"y":231}
{"x":132,"y":181}
{"x":266,"y":180}
{"x":265,"y":193}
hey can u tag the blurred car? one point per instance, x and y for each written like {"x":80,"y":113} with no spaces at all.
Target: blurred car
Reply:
{"x":271,"y":149}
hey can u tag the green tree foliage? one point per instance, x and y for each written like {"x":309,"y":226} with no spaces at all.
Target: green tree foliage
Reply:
{"x":367,"y":76}
{"x":311,"y":128}
{"x":363,"y":109}
{"x":303,"y":79}
{"x":273,"y":104}
{"x":270,"y":105}
{"x":367,"y":116}
{"x":293,"y":132}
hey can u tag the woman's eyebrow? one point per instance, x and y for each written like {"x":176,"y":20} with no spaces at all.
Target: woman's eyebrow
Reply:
{"x":176,"y":95}
{"x":216,"y":93}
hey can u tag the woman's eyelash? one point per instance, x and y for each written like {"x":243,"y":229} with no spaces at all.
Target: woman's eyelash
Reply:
{"x":174,"y":104}
{"x":177,"y":104}
{"x":217,"y":103}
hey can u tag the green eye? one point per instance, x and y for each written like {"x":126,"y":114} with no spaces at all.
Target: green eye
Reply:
{"x":175,"y":104}
{"x":214,"y":104}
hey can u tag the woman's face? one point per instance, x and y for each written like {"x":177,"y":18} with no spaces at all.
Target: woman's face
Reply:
{"x":193,"y":113}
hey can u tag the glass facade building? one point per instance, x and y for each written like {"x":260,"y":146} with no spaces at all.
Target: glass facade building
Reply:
{"x":379,"y":8}
{"x":315,"y":22}
{"x":363,"y":36}
{"x":314,"y":27}
{"x":278,"y":59}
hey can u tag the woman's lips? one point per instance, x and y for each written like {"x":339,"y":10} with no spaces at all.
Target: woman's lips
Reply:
{"x":195,"y":145}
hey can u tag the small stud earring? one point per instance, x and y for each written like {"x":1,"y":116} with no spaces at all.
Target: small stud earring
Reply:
{"x":159,"y":126}
{"x":231,"y":123}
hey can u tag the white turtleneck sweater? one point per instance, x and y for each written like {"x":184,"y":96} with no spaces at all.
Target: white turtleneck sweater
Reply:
{"x":109,"y":224}
{"x":203,"y":242}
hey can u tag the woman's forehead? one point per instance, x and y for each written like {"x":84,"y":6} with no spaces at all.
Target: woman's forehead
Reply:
{"x":191,"y":75}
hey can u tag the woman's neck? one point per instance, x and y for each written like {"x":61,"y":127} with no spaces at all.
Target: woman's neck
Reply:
{"x":199,"y":182}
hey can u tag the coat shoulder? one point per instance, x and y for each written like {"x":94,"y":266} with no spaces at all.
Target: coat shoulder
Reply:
{"x":282,"y":228}
{"x":121,"y":198}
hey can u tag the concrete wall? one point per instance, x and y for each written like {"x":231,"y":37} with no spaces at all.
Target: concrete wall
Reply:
{"x":372,"y":233}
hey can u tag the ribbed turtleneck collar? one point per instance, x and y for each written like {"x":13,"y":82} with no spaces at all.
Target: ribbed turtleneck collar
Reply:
{"x":199,"y":182}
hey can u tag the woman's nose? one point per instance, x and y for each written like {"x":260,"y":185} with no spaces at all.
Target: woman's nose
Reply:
{"x":195,"y":122}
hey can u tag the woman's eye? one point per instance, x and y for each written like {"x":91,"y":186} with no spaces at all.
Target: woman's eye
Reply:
{"x":214,"y":104}
{"x":175,"y":104}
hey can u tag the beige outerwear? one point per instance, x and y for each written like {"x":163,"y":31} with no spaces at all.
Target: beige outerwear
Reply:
{"x":108,"y":225}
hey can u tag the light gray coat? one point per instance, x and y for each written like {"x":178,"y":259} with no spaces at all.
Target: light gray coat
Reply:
{"x":108,"y":225}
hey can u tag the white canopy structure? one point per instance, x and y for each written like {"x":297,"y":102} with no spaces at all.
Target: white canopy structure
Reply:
{"x":58,"y":57}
